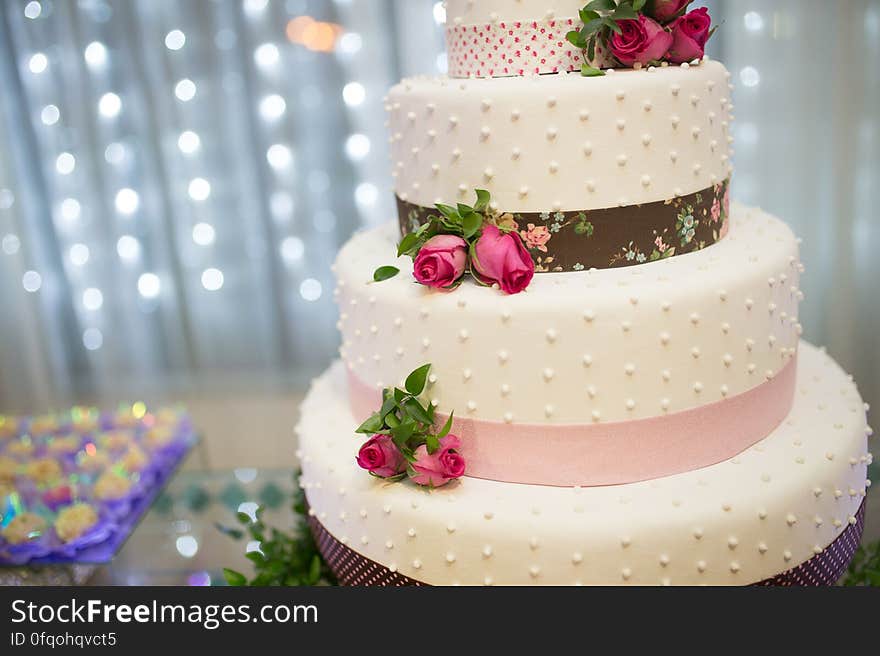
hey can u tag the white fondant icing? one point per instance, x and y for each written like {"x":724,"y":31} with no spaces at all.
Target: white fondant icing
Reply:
{"x":596,"y":136}
{"x":576,"y":342}
{"x":737,"y":522}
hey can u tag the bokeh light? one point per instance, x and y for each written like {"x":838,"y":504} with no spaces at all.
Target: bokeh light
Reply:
{"x":149,"y":285}
{"x":109,"y":105}
{"x":212,"y":279}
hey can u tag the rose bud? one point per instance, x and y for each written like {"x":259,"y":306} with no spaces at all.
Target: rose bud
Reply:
{"x":441,"y":261}
{"x":438,"y":468}
{"x":640,"y":41}
{"x":689,"y":36}
{"x":501,"y":257}
{"x":381,"y":457}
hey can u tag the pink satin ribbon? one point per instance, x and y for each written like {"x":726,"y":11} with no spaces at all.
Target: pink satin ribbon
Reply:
{"x":613,"y":453}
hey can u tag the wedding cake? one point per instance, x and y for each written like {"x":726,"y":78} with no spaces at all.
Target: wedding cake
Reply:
{"x":571,"y":360}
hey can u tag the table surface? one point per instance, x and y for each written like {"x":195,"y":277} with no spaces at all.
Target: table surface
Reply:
{"x":178,"y":541}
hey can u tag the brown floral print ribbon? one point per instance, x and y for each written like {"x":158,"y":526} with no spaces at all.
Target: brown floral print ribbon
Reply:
{"x":825,"y":568}
{"x":608,"y":237}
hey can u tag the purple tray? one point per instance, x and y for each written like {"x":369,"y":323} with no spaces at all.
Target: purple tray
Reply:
{"x":119,"y":528}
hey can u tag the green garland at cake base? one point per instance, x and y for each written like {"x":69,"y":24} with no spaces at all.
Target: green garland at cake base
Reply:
{"x":285,"y":558}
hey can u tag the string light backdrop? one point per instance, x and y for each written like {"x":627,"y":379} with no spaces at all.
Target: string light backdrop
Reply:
{"x":176,"y":177}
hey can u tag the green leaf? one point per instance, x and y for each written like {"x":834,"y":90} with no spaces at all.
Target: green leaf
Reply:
{"x":591,"y":49}
{"x":624,"y":12}
{"x":448,"y":211}
{"x":591,"y":27}
{"x":400,"y":434}
{"x":472,"y":224}
{"x":601,"y":5}
{"x":243,"y":518}
{"x":415,"y":410}
{"x":391,"y":420}
{"x":589,"y":71}
{"x":415,"y":382}
{"x":384,"y":273}
{"x":446,"y":427}
{"x":449,"y":227}
{"x":388,"y":405}
{"x":371,"y":425}
{"x":255,"y":557}
{"x":315,"y":570}
{"x":611,"y":25}
{"x":409,"y":244}
{"x":433,"y":443}
{"x":587,"y":15}
{"x":234,"y":578}
{"x":574,"y":38}
{"x":483,"y":198}
{"x":638,"y":4}
{"x":399,"y":395}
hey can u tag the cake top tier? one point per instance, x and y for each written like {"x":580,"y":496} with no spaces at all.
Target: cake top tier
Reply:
{"x":500,"y":38}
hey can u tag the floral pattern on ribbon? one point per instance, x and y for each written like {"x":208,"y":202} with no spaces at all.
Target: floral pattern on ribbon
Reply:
{"x":609,"y":237}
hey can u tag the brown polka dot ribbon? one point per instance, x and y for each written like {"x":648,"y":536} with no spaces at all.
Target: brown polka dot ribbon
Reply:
{"x":609,"y":237}
{"x":353,"y":569}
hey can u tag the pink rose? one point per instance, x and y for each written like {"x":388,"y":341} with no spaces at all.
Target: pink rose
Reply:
{"x":665,"y":10}
{"x":642,"y":41}
{"x":441,"y":261}
{"x":536,"y":237}
{"x":381,"y":457}
{"x":502,"y":258}
{"x":438,"y":468}
{"x":689,"y":36}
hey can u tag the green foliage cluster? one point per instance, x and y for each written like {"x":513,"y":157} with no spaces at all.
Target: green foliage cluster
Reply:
{"x":408,"y":421}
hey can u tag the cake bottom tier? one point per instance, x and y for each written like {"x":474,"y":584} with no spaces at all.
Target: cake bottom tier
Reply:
{"x":794,"y":497}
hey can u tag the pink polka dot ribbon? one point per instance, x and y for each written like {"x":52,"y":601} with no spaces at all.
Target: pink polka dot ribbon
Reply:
{"x":510,"y":48}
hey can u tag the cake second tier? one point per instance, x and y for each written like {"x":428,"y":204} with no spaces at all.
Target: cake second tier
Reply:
{"x":591,"y":347}
{"x":562,"y":142}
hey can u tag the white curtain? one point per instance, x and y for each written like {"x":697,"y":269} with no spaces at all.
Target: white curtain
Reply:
{"x":175,"y":179}
{"x":152,"y":151}
{"x":807,"y":130}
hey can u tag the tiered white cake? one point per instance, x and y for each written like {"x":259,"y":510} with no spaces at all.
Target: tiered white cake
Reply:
{"x":652,"y":423}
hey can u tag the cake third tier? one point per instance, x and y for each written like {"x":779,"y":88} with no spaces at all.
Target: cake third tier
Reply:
{"x":741,"y":521}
